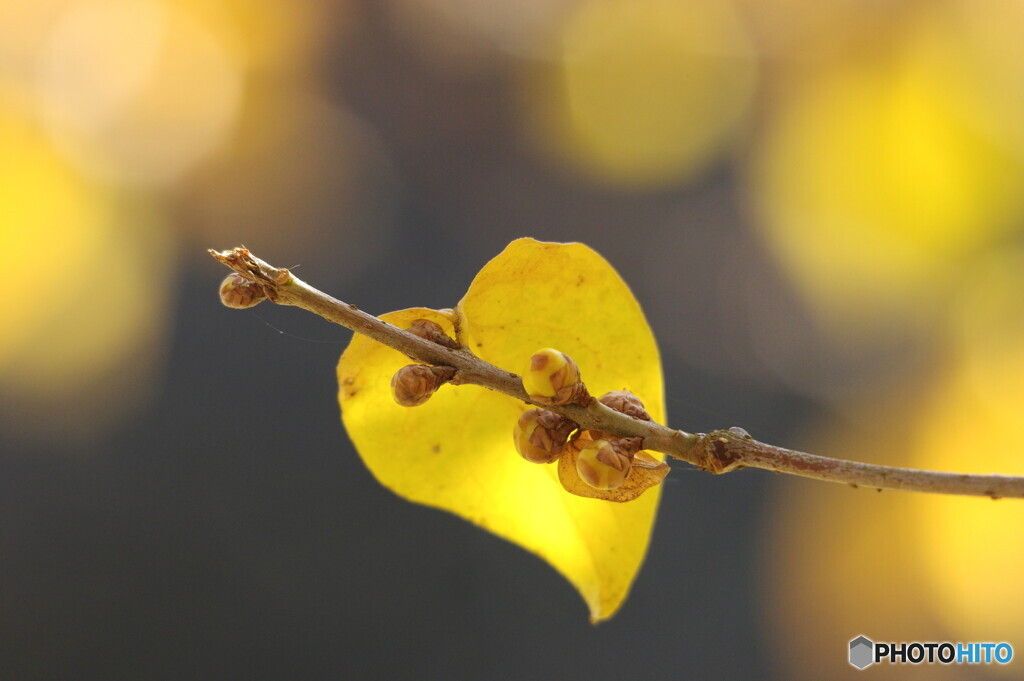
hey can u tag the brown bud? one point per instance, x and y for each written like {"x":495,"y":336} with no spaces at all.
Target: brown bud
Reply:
{"x":413,"y":385}
{"x":540,"y":435}
{"x":432,"y":331}
{"x":553,"y":378}
{"x":240,"y":293}
{"x":625,"y":402}
{"x":601,"y":465}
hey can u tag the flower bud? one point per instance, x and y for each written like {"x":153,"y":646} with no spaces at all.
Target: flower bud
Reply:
{"x":240,"y":293}
{"x":625,"y":402}
{"x":540,"y":435}
{"x":601,"y":465}
{"x":553,"y":378}
{"x":413,"y":385}
{"x":432,"y":331}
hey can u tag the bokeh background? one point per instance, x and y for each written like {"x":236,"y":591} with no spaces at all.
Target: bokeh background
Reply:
{"x":818,"y":202}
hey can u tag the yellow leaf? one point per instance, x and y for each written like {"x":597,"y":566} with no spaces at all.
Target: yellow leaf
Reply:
{"x":456,"y":451}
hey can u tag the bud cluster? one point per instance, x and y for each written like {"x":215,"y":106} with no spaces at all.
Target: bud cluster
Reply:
{"x":591,"y":463}
{"x":601,"y":461}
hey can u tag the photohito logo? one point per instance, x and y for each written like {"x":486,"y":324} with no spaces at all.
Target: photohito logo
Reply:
{"x":864,"y":652}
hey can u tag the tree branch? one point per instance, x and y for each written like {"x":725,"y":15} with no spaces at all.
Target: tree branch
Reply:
{"x":719,"y":451}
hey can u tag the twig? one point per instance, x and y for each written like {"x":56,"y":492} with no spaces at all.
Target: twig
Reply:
{"x":719,"y":451}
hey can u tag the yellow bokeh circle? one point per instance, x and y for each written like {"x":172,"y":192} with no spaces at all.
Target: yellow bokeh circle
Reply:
{"x":644,"y":93}
{"x":870,"y":185}
{"x":146,"y":86}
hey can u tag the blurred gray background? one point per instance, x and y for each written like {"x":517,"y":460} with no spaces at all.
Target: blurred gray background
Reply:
{"x":825,"y":241}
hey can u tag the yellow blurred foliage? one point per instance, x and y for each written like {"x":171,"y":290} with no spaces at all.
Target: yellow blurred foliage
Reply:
{"x":152,"y":87}
{"x":797,"y":32}
{"x":986,"y":330}
{"x":902,"y":566}
{"x":871,"y":184}
{"x":148,"y":86}
{"x":102,"y":102}
{"x":24,"y":25}
{"x":839,"y":563}
{"x":993,"y":59}
{"x":273,"y":36}
{"x":456,"y":451}
{"x":85,"y":324}
{"x":47,"y":208}
{"x":644,"y":93}
{"x":974,"y":548}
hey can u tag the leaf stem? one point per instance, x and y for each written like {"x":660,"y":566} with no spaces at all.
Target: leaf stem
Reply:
{"x":719,"y":451}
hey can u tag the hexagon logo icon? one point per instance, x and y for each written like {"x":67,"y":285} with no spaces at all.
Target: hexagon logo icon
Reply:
{"x":862,"y":652}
